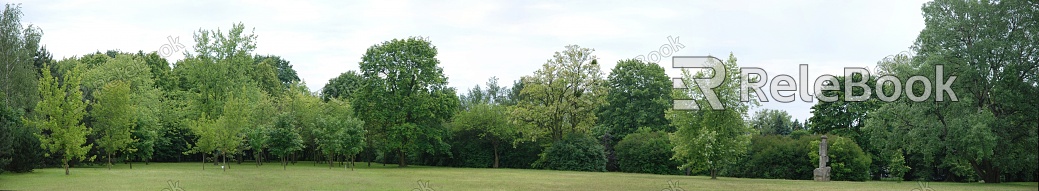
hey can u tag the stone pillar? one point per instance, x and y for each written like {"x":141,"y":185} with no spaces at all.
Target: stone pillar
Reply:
{"x":823,"y":172}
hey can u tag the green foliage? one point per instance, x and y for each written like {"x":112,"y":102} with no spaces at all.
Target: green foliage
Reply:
{"x":638,"y":95}
{"x":847,"y":160}
{"x":256,"y":134}
{"x":577,"y":152}
{"x":18,"y":46}
{"x":777,"y":157}
{"x":646,"y":151}
{"x":797,"y":134}
{"x":483,"y":116}
{"x":772,"y":122}
{"x":848,"y":118}
{"x":59,"y":115}
{"x":709,"y":139}
{"x":8,"y":122}
{"x":490,"y":122}
{"x":161,"y":71}
{"x":560,"y":98}
{"x":342,"y":86}
{"x":113,"y":118}
{"x":991,"y":129}
{"x":338,"y":132}
{"x":897,"y":166}
{"x":285,"y":74}
{"x":283,"y":138}
{"x":26,"y":153}
{"x":405,"y":100}
{"x":264,"y":75}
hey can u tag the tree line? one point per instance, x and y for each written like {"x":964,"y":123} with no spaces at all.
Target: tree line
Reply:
{"x":222,"y":102}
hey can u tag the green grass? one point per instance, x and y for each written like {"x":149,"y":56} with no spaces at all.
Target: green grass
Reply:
{"x":307,"y":176}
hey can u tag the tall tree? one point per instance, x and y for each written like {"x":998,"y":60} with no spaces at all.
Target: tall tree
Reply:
{"x":491,"y":122}
{"x":342,"y":86}
{"x":144,"y":97}
{"x":405,"y":96}
{"x":990,"y":125}
{"x":18,"y":47}
{"x":161,"y":71}
{"x":284,"y":139}
{"x":222,"y":80}
{"x":772,"y":122}
{"x":338,"y":132}
{"x":844,"y":117}
{"x":560,"y":98}
{"x":639,"y":93}
{"x":113,"y":118}
{"x":285,"y":74}
{"x":708,"y":139}
{"x":59,"y":115}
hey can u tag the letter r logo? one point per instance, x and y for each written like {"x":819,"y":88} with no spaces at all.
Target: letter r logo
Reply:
{"x":705,"y":85}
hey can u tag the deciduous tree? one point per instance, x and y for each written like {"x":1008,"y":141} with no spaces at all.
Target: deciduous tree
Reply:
{"x":560,"y":98}
{"x":708,"y":139}
{"x":405,"y":99}
{"x":59,"y":115}
{"x":113,"y":118}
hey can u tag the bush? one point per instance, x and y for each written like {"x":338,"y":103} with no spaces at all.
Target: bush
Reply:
{"x":19,"y":149}
{"x":776,"y":157}
{"x":847,"y":160}
{"x":646,"y":151}
{"x":7,"y":123}
{"x":577,"y":152}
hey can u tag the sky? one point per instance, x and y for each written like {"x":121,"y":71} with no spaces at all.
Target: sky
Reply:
{"x":506,"y":39}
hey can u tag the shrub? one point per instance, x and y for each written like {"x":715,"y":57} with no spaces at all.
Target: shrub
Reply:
{"x":776,"y":157}
{"x":578,"y":152}
{"x":646,"y":151}
{"x":847,"y":160}
{"x":19,"y":149}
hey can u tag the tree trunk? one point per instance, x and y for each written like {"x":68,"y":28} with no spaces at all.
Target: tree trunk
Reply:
{"x":370,"y":153}
{"x":400,"y":159}
{"x":352,"y":160}
{"x":714,"y":174}
{"x":203,"y":161}
{"x":330,"y":163}
{"x":496,"y":154}
{"x":109,"y":160}
{"x":224,"y":155}
{"x":66,"y":161}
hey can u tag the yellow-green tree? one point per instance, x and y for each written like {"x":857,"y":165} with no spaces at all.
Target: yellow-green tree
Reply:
{"x":708,"y":139}
{"x":59,"y":116}
{"x":561,"y":97}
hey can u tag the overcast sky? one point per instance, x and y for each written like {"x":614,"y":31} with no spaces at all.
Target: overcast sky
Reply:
{"x":507,"y":39}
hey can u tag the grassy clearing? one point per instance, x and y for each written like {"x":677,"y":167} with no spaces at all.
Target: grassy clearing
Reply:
{"x":307,"y":176}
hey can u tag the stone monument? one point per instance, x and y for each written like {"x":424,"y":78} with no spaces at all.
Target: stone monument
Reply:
{"x":823,"y":172}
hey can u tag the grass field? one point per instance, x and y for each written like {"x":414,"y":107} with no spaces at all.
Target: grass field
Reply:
{"x":307,"y":176}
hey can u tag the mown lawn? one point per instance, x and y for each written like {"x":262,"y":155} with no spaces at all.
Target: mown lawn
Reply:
{"x":308,"y":176}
